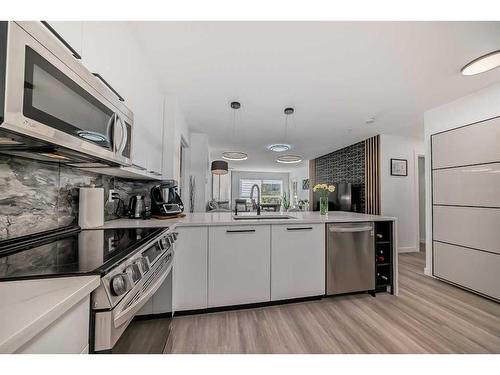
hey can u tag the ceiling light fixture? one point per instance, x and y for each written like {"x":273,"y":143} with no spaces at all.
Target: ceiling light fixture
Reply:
{"x":279,"y":147}
{"x":482,"y":64}
{"x":234,"y":155}
{"x":286,"y":159}
{"x":289,"y":159}
{"x":219,"y":167}
{"x":370,"y":120}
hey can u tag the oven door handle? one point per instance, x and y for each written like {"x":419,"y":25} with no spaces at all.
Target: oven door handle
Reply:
{"x":128,"y":313}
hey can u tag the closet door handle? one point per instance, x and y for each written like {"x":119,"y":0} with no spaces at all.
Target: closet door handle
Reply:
{"x":62,"y":40}
{"x":299,"y":228}
{"x":120,"y":98}
{"x":240,"y":231}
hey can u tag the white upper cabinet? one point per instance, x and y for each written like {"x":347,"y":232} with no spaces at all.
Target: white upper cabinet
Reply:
{"x":110,"y":49}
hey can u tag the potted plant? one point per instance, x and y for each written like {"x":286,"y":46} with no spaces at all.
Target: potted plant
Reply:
{"x":286,"y":202}
{"x":323,"y":190}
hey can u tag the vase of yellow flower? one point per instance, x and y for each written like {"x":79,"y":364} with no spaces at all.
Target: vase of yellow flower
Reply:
{"x":323,"y":190}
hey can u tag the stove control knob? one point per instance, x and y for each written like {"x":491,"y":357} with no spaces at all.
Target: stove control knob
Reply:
{"x":134,"y":272}
{"x":164,"y":243}
{"x":119,"y":284}
{"x":143,"y":263}
{"x":175,"y":234}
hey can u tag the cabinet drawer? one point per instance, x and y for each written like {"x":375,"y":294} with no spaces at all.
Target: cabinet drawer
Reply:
{"x":239,"y":265}
{"x":477,"y":185}
{"x":297,"y":261}
{"x":468,"y":226}
{"x":473,"y":144}
{"x":473,"y":269}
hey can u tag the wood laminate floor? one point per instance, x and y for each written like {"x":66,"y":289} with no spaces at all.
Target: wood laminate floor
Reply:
{"x":428,"y":316}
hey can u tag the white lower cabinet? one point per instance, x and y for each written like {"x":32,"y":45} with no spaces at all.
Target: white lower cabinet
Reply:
{"x":67,"y":335}
{"x":190,"y":269}
{"x":297,"y":261}
{"x":239,"y":265}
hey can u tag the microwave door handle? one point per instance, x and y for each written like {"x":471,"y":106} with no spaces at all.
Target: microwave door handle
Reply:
{"x":117,"y":128}
{"x":123,"y":140}
{"x":111,"y":129}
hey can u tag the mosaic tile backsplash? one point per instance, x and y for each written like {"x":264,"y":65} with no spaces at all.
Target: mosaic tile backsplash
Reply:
{"x":37,"y":196}
{"x":344,"y":165}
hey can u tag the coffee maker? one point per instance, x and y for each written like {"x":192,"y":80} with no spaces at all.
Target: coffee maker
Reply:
{"x":164,"y":199}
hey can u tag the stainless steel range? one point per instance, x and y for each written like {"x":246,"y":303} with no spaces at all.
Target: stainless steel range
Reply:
{"x":133,"y":265}
{"x":129,"y":284}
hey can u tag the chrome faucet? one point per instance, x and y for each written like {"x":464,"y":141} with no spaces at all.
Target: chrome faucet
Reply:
{"x":258,"y":197}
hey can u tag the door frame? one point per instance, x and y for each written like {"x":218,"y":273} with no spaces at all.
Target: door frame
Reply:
{"x":416,"y":156}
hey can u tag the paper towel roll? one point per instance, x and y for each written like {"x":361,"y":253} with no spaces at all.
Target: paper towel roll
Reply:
{"x":91,"y":207}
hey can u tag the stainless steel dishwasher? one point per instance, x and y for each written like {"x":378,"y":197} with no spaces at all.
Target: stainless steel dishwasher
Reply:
{"x":350,"y":258}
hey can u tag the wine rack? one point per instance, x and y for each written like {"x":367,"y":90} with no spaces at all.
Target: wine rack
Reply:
{"x":383,"y":256}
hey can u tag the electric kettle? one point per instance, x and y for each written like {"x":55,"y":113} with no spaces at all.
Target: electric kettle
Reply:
{"x":136,"y":207}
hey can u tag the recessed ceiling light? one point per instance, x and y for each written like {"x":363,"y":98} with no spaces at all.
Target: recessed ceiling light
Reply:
{"x":279,"y":147}
{"x":370,"y":120}
{"x":234,"y":155}
{"x":289,"y":159}
{"x":482,"y":64}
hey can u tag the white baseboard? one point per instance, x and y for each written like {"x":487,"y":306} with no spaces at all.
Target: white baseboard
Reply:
{"x":428,"y":272}
{"x":409,"y":249}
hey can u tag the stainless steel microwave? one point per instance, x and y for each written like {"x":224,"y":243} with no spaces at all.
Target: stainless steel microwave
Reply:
{"x":52,"y":107}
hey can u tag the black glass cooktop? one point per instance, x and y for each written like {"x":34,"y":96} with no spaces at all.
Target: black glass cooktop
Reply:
{"x":69,"y":251}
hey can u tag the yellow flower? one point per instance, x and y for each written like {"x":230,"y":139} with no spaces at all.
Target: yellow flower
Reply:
{"x":331,"y":188}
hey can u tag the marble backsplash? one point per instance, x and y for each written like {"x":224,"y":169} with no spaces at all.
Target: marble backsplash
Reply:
{"x":37,"y":196}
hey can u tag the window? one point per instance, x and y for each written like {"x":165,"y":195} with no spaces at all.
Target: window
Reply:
{"x":271,"y":191}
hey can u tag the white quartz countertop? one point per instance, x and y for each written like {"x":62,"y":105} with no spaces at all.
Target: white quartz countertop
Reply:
{"x":29,"y":306}
{"x":226,"y":218}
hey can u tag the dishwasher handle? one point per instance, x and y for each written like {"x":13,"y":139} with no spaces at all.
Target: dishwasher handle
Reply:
{"x":350,"y":230}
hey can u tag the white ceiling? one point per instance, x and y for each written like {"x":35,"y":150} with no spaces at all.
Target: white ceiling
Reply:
{"x":335,"y":75}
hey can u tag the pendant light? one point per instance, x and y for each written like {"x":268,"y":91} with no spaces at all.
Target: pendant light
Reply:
{"x":482,"y":64}
{"x":218,"y":168}
{"x":234,"y":155}
{"x":286,"y":159}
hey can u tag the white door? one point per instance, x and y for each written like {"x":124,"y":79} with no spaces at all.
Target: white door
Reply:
{"x":298,"y":261}
{"x":239,"y":265}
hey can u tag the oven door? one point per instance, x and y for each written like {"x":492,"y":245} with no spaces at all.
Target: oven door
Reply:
{"x":49,"y":101}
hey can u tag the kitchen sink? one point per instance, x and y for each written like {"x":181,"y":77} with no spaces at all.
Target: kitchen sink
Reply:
{"x":261,"y":217}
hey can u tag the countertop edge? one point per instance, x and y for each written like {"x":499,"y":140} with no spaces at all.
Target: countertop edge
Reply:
{"x":25,"y":334}
{"x":194,"y":222}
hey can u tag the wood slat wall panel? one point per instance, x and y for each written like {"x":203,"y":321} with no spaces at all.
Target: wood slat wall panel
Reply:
{"x":372,"y":175}
{"x":312,"y":181}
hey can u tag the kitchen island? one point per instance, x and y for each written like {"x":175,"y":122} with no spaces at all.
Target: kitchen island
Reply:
{"x":222,"y":261}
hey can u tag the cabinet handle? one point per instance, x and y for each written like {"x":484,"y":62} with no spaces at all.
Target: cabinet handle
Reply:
{"x":240,"y":231}
{"x":120,"y":98}
{"x":61,"y":39}
{"x":301,"y":228}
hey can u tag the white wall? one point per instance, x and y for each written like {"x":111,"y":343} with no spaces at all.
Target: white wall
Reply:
{"x":175,"y":129}
{"x":399,"y":195}
{"x":478,"y":106}
{"x":199,"y":162}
